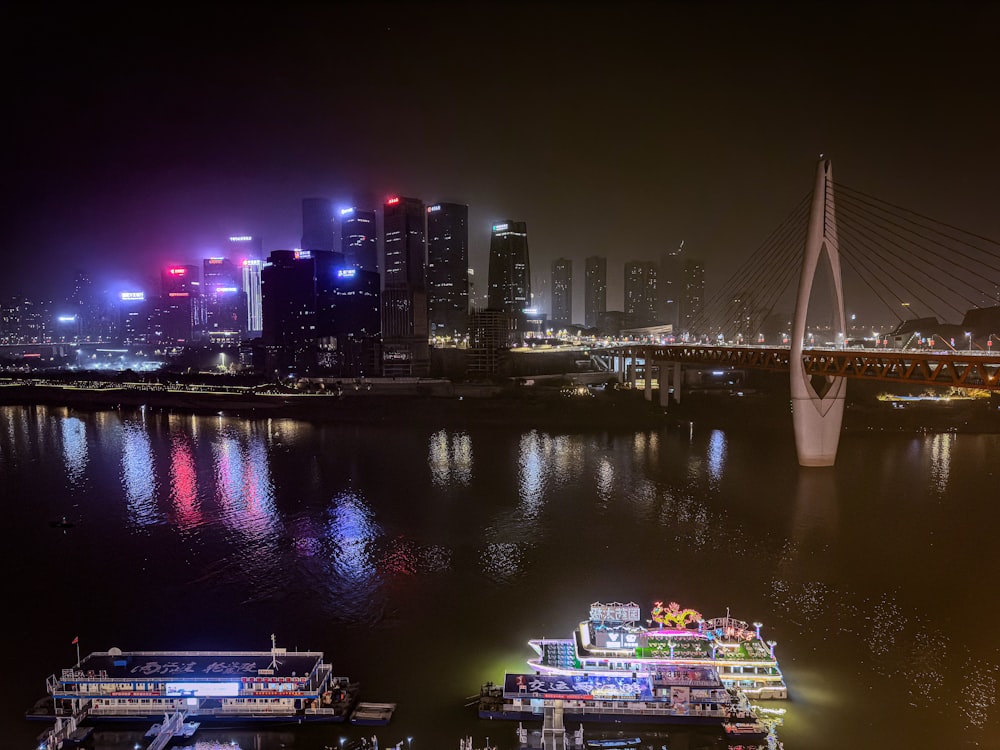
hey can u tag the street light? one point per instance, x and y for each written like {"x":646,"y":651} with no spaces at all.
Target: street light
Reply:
{"x":409,"y":743}
{"x":968,"y":335}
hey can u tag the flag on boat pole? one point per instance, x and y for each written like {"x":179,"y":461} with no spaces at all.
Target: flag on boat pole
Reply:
{"x":76,"y":642}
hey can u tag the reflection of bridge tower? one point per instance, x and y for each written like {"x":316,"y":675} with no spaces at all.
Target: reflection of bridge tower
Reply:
{"x":817,"y":401}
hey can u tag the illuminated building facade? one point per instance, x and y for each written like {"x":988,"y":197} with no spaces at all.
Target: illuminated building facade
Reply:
{"x":317,"y":224}
{"x":510,"y":270}
{"x":405,"y":328}
{"x":448,"y":269}
{"x":640,"y":293}
{"x":359,"y":238}
{"x":225,"y":302}
{"x":595,"y":290}
{"x":562,"y":292}
{"x":253,"y":295}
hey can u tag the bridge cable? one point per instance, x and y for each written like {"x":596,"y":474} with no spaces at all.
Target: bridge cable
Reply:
{"x":886,"y":251}
{"x":756,"y":265}
{"x":976,"y":272}
{"x":850,"y":234}
{"x":754,"y":262}
{"x":994,"y":243}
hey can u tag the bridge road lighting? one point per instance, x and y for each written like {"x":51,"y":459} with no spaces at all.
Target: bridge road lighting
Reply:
{"x":968,"y":335}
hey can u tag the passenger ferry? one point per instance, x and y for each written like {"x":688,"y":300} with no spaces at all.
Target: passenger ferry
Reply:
{"x":613,"y":641}
{"x":232,"y":686}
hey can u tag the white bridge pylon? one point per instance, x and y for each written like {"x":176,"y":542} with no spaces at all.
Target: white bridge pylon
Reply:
{"x":817,"y":401}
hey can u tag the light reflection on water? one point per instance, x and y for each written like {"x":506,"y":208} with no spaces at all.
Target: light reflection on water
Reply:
{"x":74,"y":439}
{"x":138,"y":473}
{"x":302,"y":528}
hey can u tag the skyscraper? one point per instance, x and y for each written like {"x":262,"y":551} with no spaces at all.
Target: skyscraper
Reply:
{"x":358,"y":238}
{"x":562,"y":292}
{"x":317,"y":224}
{"x":405,"y":348}
{"x":448,"y":269}
{"x":289,"y":298}
{"x":595,"y":291}
{"x":253,"y":294}
{"x":225,"y":304}
{"x":640,"y":294}
{"x":179,"y":315}
{"x":671,"y":285}
{"x":510,"y":271}
{"x":694,"y":296}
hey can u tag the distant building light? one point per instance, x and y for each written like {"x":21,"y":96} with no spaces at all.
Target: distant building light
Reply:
{"x":132,"y":296}
{"x":215,"y":261}
{"x":347,"y":273}
{"x":392,"y":201}
{"x":241,"y":238}
{"x":67,"y":318}
{"x":225,"y":289}
{"x":530,"y":311}
{"x":499,"y":227}
{"x":251,"y":262}
{"x":431,"y":209}
{"x":178,"y":294}
{"x":177,"y":271}
{"x":345,"y":211}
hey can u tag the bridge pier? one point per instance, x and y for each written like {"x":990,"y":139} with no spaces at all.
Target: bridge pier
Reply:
{"x":817,"y":400}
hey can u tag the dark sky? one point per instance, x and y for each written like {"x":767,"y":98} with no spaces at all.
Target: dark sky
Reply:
{"x":148,"y":133}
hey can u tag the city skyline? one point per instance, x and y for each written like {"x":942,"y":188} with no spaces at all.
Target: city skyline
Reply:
{"x":615,"y":133}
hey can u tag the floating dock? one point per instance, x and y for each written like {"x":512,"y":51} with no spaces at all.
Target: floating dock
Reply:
{"x":173,"y":725}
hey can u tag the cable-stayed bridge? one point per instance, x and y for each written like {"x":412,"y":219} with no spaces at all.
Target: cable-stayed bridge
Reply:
{"x":921,"y":272}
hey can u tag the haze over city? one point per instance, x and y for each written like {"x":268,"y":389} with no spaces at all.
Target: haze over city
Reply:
{"x":144,"y":136}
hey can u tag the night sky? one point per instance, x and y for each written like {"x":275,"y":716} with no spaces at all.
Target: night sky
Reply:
{"x":149,"y":133}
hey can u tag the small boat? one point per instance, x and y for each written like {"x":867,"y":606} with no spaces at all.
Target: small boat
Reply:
{"x":616,"y":742}
{"x":372,"y":714}
{"x":745,"y":731}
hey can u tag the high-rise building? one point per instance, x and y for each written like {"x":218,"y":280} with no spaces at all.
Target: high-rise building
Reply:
{"x":595,"y":291}
{"x":510,"y":270}
{"x":448,"y":269}
{"x":180,"y":314}
{"x":562,"y":292}
{"x":640,"y":294}
{"x":693,"y":301}
{"x":247,"y":255}
{"x":405,"y":331}
{"x":225,"y":303}
{"x":253,"y":294}
{"x":317,"y":224}
{"x":671,"y":284}
{"x":288,"y":286}
{"x":359,"y":238}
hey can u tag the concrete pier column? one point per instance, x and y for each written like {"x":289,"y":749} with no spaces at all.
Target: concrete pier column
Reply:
{"x":818,"y":401}
{"x":647,"y":370}
{"x":634,"y":374}
{"x":664,"y":377}
{"x":676,"y":381}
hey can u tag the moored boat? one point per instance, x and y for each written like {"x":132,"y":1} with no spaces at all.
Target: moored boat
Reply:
{"x":614,"y":640}
{"x":208,"y":686}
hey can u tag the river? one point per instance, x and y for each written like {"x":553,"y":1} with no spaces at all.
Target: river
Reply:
{"x":421,"y":559}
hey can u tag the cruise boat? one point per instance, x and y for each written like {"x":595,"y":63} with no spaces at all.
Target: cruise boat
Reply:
{"x":673,"y":695}
{"x":232,"y":686}
{"x":614,"y":641}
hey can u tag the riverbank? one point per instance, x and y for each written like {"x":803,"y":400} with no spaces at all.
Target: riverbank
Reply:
{"x":521,"y":407}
